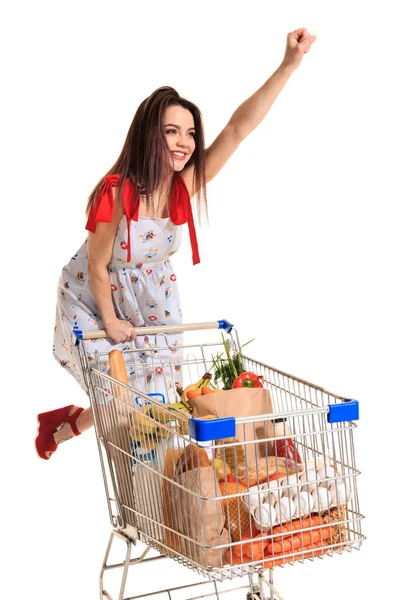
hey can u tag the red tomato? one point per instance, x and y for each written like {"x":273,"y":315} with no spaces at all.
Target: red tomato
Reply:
{"x":247,"y":380}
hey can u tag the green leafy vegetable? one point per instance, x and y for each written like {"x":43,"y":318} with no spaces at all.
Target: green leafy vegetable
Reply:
{"x":226,"y":369}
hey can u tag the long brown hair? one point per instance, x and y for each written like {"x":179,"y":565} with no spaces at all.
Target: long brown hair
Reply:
{"x":145,"y":156}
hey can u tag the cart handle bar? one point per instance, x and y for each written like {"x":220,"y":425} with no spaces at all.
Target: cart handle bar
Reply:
{"x":99,"y":333}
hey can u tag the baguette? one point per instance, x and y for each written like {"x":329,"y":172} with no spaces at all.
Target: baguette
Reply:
{"x":117,"y":366}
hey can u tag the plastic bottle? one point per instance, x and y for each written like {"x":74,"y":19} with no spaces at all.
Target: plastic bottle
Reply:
{"x":285,"y":447}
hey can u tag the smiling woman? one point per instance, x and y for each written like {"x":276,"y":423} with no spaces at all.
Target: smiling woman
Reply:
{"x":122,"y":277}
{"x":163,"y":124}
{"x":177,"y":136}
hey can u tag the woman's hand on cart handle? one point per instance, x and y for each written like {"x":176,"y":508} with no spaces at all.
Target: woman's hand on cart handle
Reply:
{"x":298,"y":43}
{"x":120,"y":331}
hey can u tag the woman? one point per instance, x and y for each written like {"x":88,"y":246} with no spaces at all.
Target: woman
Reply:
{"x":134,"y":218}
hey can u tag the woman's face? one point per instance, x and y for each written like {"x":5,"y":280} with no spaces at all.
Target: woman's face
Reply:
{"x":179,"y":132}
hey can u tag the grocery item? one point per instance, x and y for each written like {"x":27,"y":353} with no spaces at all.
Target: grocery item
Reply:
{"x":247,"y":380}
{"x":191,"y":458}
{"x":221,"y":469}
{"x":247,"y":535}
{"x":312,"y":550}
{"x":151,"y":422}
{"x":290,"y":485}
{"x":255,"y":498}
{"x":264,"y":515}
{"x":237,"y":517}
{"x":193,"y":394}
{"x":285,"y":447}
{"x":227,"y":368}
{"x":322,"y":498}
{"x":201,"y":392}
{"x":162,"y":412}
{"x":272,"y":491}
{"x":309,"y":477}
{"x":285,"y":509}
{"x":340,"y":493}
{"x":304,"y":503}
{"x":302,"y":523}
{"x":335,"y":516}
{"x":193,"y":387}
{"x":198,"y":523}
{"x":117,"y":366}
{"x":234,"y":456}
{"x":171,"y":456}
{"x":256,"y":544}
{"x":326,"y":472}
{"x":144,"y":429}
{"x":265,"y":469}
{"x":240,"y":402}
{"x":299,"y":540}
{"x":207,"y":390}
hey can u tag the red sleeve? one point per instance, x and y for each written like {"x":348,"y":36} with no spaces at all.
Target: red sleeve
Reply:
{"x":103,"y":204}
{"x":181,"y":212}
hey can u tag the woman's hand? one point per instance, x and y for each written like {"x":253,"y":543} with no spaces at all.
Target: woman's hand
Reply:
{"x":298,"y":43}
{"x":121,"y":331}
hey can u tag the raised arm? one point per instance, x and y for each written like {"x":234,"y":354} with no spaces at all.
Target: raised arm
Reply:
{"x":252,"y":112}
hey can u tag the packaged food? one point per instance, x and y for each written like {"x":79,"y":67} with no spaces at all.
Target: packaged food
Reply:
{"x":285,"y":447}
{"x":192,"y":458}
{"x":266,"y":469}
{"x":237,"y":517}
{"x":233,"y":456}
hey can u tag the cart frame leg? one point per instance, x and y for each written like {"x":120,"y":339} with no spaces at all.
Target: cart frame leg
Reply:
{"x":264,"y":583}
{"x":125,"y":565}
{"x":128,"y":562}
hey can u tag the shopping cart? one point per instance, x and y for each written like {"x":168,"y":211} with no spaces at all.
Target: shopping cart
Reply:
{"x":254,"y":508}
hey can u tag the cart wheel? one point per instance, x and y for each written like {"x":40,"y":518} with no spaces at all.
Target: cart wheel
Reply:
{"x":254,"y":596}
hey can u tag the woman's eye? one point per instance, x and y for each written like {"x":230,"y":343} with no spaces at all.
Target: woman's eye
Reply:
{"x":170,"y":131}
{"x":193,"y":134}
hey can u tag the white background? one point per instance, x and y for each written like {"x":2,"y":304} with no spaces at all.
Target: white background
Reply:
{"x":300,"y":252}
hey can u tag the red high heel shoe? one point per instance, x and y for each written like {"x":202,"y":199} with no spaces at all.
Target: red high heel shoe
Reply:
{"x":49,"y":422}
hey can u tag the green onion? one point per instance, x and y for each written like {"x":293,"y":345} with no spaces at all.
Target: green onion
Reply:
{"x":227,"y":369}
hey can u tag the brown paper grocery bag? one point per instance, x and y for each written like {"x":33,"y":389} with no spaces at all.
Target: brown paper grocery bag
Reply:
{"x":241,"y":402}
{"x":199,"y":518}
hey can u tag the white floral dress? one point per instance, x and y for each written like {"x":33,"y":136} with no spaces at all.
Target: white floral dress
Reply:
{"x":144,"y":291}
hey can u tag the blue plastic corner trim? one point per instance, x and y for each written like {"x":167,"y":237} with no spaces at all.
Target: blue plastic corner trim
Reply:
{"x":223,"y":324}
{"x":212,"y":429}
{"x":158,"y":394}
{"x":139,"y":399}
{"x":347,"y":411}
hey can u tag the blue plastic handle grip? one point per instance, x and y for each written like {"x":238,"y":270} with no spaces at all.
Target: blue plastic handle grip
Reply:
{"x":223,"y":324}
{"x":346,"y":411}
{"x":212,"y":429}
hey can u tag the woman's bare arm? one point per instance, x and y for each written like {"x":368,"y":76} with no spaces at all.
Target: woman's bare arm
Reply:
{"x":244,"y":120}
{"x":253,"y":110}
{"x":100,"y":246}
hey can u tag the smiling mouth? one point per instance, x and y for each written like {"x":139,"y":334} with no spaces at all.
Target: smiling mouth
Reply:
{"x":179,"y":155}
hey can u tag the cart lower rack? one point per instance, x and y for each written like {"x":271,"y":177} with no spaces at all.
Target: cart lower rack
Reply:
{"x":230,"y":484}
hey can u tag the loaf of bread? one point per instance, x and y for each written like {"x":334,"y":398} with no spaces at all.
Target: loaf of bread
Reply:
{"x":192,"y":458}
{"x":117,"y":366}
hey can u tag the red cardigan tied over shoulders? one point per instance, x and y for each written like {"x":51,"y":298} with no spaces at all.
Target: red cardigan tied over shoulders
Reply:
{"x":180,"y":210}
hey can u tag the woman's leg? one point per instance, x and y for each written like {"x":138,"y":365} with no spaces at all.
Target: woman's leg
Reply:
{"x":83,"y":422}
{"x":60,"y":425}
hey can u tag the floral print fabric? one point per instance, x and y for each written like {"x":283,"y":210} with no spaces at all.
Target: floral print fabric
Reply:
{"x":144,"y":292}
